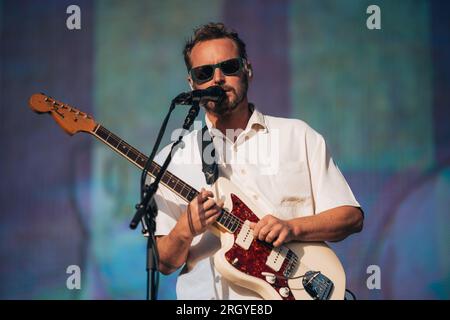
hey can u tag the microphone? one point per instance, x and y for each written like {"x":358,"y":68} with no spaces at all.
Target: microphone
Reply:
{"x":213,"y":93}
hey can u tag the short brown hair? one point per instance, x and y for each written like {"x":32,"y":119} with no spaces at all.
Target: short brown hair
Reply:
{"x":212,"y":31}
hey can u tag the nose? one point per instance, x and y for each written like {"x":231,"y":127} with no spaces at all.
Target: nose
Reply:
{"x":219,"y":77}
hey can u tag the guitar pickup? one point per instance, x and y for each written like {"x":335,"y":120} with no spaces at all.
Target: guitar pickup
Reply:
{"x":245,"y":237}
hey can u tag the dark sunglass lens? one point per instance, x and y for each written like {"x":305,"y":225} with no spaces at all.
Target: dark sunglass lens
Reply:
{"x":230,"y":66}
{"x":202,"y":73}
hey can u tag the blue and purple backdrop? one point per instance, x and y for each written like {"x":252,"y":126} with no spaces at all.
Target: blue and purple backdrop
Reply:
{"x":381,"y":98}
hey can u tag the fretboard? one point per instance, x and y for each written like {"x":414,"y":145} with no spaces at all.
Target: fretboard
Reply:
{"x":175,"y":184}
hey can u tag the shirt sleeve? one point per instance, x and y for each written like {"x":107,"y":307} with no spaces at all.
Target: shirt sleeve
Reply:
{"x":329,"y":187}
{"x":170,"y":206}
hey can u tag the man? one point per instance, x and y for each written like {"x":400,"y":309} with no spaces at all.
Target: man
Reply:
{"x":305,"y":199}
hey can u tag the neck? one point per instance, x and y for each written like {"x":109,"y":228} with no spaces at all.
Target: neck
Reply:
{"x":235,"y":120}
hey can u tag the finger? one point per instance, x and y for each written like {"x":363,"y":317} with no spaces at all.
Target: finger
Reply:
{"x":252,"y":226}
{"x":203,"y":194}
{"x":206,"y":194}
{"x":199,"y":197}
{"x":268,"y":218}
{"x":273,"y":234}
{"x":220,"y":203}
{"x":264,"y":232}
{"x":281,"y":238}
{"x":212,"y":212}
{"x":208,"y":204}
{"x":212,"y":219}
{"x":257,"y":228}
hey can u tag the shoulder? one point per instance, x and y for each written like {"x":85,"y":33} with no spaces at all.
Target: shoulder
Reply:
{"x":188,"y":144}
{"x":292,"y":125}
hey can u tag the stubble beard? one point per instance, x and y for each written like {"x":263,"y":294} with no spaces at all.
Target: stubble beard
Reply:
{"x":226,"y":107}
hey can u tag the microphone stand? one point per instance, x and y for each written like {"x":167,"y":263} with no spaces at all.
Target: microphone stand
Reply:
{"x":148,"y":209}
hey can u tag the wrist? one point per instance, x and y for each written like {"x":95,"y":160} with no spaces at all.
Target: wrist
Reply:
{"x":296,"y":229}
{"x":182,"y":231}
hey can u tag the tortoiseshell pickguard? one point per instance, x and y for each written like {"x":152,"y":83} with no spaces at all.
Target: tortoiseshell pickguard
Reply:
{"x":253,"y":260}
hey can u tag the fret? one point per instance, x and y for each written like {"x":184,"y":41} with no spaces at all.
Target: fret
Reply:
{"x":154,"y":169}
{"x":228,"y":220}
{"x":138,"y":154}
{"x":140,"y":162}
{"x":192,"y":194}
{"x":228,"y":223}
{"x":235,"y":223}
{"x":102,"y":132}
{"x":185,"y":191}
{"x":113,"y":140}
{"x":222,"y":218}
{"x":172,"y":181}
{"x":132,"y":154}
{"x":178,"y":186}
{"x":165,"y":178}
{"x":123,"y":148}
{"x":231,"y":222}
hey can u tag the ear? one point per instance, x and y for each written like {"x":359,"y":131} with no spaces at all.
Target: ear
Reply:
{"x":191,"y":83}
{"x":249,"y":69}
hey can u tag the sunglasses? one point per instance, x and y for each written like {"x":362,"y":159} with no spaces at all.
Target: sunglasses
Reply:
{"x":205,"y":73}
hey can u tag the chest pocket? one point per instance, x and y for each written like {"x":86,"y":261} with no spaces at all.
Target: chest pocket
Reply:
{"x":292,"y":185}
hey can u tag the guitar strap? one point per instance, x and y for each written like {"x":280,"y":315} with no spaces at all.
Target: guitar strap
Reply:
{"x":210,"y":170}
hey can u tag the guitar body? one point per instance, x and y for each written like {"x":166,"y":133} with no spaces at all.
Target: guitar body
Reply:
{"x":244,"y":266}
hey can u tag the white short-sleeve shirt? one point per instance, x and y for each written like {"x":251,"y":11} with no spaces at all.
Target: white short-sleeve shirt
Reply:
{"x":282,"y":164}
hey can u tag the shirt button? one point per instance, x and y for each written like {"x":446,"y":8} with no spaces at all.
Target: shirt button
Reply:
{"x":255,"y":196}
{"x":243,"y":171}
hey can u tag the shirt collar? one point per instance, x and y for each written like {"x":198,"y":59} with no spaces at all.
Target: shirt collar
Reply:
{"x":255,"y":122}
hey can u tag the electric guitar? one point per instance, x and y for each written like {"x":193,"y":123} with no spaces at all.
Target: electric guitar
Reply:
{"x":294,"y":271}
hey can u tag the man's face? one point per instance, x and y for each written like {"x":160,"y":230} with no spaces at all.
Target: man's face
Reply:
{"x":212,"y":52}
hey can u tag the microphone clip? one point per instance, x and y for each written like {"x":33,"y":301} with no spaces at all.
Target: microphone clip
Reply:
{"x":214,"y":93}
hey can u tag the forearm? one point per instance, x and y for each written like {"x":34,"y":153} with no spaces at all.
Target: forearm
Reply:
{"x":173,"y":249}
{"x":332,"y":225}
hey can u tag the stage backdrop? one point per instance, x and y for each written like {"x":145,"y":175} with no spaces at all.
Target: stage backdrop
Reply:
{"x":379,"y":97}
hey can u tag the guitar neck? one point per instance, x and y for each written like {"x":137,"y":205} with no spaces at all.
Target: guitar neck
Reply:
{"x":175,"y":184}
{"x":136,"y":157}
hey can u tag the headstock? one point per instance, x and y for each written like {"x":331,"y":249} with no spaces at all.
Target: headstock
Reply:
{"x":69,"y":118}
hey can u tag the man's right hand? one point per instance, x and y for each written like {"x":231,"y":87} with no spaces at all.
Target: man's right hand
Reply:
{"x":201,"y":212}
